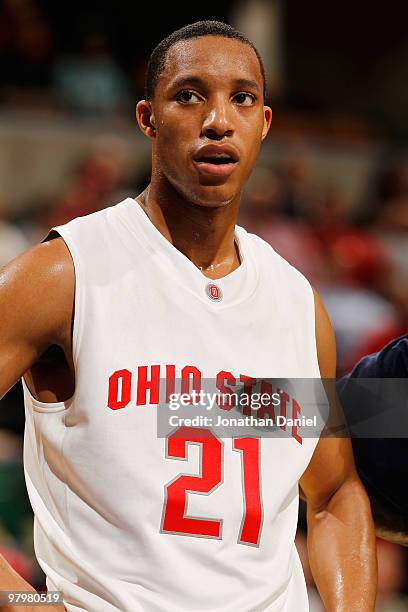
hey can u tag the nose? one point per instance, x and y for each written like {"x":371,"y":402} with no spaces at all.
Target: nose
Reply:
{"x":218,"y":123}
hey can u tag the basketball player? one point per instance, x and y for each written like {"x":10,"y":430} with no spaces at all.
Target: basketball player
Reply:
{"x":380,"y":454}
{"x":166,"y":287}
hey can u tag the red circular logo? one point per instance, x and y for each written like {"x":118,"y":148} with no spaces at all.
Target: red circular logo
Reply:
{"x":214,"y":292}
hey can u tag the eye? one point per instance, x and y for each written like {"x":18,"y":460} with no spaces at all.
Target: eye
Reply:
{"x":187,"y":97}
{"x":244,"y":99}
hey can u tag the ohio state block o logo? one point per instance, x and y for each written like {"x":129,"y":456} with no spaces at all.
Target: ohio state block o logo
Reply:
{"x":214,"y":292}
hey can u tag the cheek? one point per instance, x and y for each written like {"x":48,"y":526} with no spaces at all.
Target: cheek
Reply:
{"x":170,"y":143}
{"x":176,"y":129}
{"x":252,"y":145}
{"x":251,"y":136}
{"x":172,"y":153}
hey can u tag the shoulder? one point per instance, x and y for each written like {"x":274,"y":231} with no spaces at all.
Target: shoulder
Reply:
{"x":41,"y":284}
{"x":46,"y":263}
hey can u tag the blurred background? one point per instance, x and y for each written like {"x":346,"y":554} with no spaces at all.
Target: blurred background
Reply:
{"x":330,"y":191}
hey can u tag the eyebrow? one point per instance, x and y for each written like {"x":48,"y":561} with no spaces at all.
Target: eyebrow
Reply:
{"x":195,"y":81}
{"x":246,"y":84}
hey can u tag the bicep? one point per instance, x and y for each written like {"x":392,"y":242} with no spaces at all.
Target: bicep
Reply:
{"x":36,"y":291}
{"x":332,"y":462}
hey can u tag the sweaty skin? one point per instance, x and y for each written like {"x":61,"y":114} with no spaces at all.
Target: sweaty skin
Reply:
{"x":31,"y":323}
{"x":36,"y":336}
{"x":210,"y":93}
{"x":341,"y":535}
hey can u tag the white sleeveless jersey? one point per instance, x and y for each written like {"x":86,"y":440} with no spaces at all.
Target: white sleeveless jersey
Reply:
{"x":129,"y":521}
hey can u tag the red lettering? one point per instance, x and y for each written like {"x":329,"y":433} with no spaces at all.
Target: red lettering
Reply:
{"x":295,"y":413}
{"x":188,"y":373}
{"x":267,"y":409}
{"x":228,"y":402}
{"x":174,"y":513}
{"x":152,"y":385}
{"x":170,"y":381}
{"x":283,"y":400}
{"x":249,"y":383}
{"x":252,"y":523}
{"x":120,"y":379}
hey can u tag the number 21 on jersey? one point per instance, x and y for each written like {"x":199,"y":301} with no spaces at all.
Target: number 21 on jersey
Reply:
{"x":211,"y":470}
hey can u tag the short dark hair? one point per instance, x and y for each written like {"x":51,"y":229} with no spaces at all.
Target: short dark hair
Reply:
{"x":158,"y":57}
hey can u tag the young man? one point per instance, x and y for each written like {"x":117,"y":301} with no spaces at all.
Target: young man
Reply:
{"x":166,"y":287}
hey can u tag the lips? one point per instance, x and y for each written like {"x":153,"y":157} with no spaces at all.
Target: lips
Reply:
{"x":216,"y":160}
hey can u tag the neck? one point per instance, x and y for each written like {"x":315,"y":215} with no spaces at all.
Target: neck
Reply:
{"x":203,"y":234}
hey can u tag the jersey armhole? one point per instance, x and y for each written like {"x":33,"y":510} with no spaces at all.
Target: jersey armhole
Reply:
{"x":77,"y":315}
{"x":51,"y":235}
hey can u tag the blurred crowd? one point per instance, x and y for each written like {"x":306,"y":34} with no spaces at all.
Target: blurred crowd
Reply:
{"x":357,"y":257}
{"x":83,"y":57}
{"x":81,"y":76}
{"x":355,"y":254}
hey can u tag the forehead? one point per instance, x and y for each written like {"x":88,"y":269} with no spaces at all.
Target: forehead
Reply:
{"x":215,"y":58}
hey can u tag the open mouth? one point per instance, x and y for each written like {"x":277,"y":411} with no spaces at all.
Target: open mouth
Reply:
{"x":216,"y":159}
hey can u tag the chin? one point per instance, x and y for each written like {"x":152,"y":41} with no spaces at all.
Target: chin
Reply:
{"x":212,"y":196}
{"x":207,"y":195}
{"x":211,"y":203}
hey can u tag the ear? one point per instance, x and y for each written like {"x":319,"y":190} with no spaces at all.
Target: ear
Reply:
{"x":145,"y":118}
{"x":267,"y":121}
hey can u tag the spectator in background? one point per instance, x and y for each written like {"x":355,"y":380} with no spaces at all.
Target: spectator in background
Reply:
{"x":17,"y":558}
{"x":98,"y":178}
{"x":15,"y":509}
{"x":263,"y":214}
{"x":386,"y":210}
{"x":26,"y":52}
{"x":348,"y":264}
{"x":361,"y":318}
{"x":389,"y":223}
{"x":12,"y":240}
{"x":94,"y":182}
{"x":92,"y":83}
{"x":299,"y":185}
{"x":355,"y":290}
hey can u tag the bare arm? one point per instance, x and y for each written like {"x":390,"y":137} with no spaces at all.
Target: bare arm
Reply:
{"x":36,"y":297}
{"x":341,"y":538}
